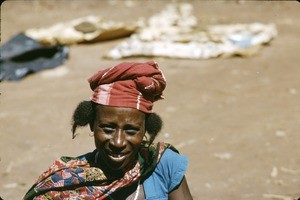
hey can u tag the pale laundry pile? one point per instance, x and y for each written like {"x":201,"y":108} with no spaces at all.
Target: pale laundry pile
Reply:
{"x":174,"y":33}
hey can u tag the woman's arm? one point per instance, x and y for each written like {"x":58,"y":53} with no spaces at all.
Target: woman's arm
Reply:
{"x":182,"y":192}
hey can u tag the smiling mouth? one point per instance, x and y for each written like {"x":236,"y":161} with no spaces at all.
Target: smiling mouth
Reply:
{"x":117,"y":157}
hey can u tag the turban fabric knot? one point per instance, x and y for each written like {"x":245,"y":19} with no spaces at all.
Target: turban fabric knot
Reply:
{"x":129,"y":84}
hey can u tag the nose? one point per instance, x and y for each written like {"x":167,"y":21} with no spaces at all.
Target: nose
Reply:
{"x":118,"y":141}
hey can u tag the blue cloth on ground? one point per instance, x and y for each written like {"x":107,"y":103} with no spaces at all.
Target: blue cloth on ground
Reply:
{"x":23,"y":55}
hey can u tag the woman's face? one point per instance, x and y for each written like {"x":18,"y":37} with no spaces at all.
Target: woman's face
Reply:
{"x":118,"y":133}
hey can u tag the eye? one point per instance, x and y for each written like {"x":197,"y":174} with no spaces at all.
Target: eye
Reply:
{"x":131,"y":130}
{"x":107,"y":129}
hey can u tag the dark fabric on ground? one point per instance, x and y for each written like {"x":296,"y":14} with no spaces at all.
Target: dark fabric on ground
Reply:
{"x":23,"y":55}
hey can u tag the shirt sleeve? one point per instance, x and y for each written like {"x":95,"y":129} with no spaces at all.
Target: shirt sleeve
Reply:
{"x":167,"y":175}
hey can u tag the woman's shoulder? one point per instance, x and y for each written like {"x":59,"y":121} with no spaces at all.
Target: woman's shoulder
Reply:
{"x":89,"y":157}
{"x":171,"y":153}
{"x":171,"y":163}
{"x":69,"y":160}
{"x":167,"y":175}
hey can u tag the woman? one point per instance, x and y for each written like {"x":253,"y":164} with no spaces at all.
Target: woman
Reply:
{"x":124,"y":165}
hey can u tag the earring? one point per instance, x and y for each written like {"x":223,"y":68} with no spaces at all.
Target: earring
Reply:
{"x":91,"y":134}
{"x":145,"y":138}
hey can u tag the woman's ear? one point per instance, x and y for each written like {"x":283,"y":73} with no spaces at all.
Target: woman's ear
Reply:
{"x":153,"y":125}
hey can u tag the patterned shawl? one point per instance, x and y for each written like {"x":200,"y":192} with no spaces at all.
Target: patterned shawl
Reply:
{"x":79,"y":178}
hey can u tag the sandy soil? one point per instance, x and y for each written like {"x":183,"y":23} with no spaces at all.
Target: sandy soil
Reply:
{"x":237,"y":119}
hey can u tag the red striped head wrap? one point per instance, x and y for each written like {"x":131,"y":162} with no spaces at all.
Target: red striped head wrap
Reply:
{"x":129,"y":84}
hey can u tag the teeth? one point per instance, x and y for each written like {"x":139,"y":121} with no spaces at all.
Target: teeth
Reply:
{"x":117,"y":155}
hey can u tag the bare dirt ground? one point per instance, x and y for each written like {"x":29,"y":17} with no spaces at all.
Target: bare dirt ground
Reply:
{"x":238,"y":119}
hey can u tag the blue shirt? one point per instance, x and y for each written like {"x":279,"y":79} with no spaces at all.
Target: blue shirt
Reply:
{"x":168,"y":174}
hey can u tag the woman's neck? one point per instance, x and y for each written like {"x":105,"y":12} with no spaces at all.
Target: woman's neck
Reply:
{"x":110,"y":173}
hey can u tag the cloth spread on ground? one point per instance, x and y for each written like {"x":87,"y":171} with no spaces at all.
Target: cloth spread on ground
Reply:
{"x":86,"y":29}
{"x":174,"y":33}
{"x":22,"y":55}
{"x":129,"y":84}
{"x":80,"y":177}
